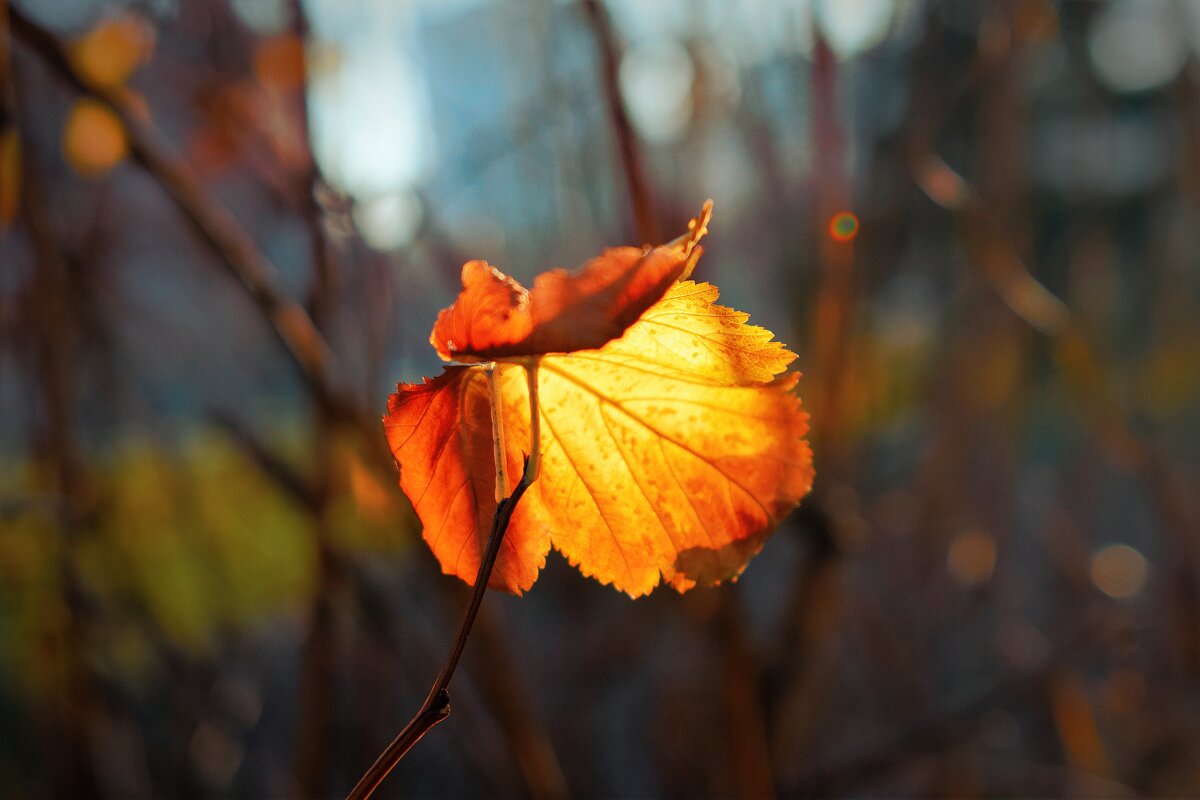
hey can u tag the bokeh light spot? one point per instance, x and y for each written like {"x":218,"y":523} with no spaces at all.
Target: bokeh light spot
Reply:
{"x":843,"y":227}
{"x":656,"y":81}
{"x":372,"y":131}
{"x":854,"y":26}
{"x":388,"y":221}
{"x":971,"y":558}
{"x":109,"y":53}
{"x":93,"y":139}
{"x":1119,"y":571}
{"x":1135,"y":46}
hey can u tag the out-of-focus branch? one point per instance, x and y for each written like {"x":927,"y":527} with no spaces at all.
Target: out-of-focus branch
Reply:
{"x":294,"y":484}
{"x":224,"y":234}
{"x":997,"y":258}
{"x":834,"y":311}
{"x":991,"y":250}
{"x":55,"y":311}
{"x":645,"y":220}
{"x":931,"y":731}
{"x":748,"y":748}
{"x":317,"y":709}
{"x":217,"y":225}
{"x":516,"y":715}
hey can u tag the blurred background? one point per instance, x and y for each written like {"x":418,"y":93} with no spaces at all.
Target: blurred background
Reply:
{"x":226,"y":227}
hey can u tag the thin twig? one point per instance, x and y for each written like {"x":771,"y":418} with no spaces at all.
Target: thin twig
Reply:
{"x":437,"y":705}
{"x":297,"y":486}
{"x":535,"y":420}
{"x":217,"y":226}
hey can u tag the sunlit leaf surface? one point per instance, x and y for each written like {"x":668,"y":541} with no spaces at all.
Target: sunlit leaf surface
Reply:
{"x":668,"y":454}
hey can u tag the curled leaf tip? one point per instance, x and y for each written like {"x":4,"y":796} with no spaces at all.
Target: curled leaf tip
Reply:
{"x":689,"y":243}
{"x":698,"y":226}
{"x":496,"y":318}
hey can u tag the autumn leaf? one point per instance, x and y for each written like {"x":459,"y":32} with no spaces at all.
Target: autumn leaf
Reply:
{"x":667,"y":454}
{"x":495,"y":317}
{"x":441,"y":435}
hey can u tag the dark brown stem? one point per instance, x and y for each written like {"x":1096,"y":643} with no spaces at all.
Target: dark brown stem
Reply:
{"x":437,"y":705}
{"x":644,"y":218}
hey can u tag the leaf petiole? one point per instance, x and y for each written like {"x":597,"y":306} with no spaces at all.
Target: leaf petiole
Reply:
{"x":498,"y":457}
{"x":535,"y":419}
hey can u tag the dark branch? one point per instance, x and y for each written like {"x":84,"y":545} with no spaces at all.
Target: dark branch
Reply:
{"x":437,"y":705}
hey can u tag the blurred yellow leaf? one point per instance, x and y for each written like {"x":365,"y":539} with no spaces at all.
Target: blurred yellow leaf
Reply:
{"x":109,"y":53}
{"x":93,"y":139}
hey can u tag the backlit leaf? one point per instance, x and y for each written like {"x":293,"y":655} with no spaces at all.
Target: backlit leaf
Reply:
{"x":669,"y":453}
{"x":441,"y":434}
{"x":656,"y":465}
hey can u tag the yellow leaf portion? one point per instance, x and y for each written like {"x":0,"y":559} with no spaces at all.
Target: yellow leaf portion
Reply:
{"x":668,"y":454}
{"x":688,"y":334}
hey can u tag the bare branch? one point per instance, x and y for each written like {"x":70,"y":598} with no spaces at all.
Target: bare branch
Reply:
{"x":437,"y":705}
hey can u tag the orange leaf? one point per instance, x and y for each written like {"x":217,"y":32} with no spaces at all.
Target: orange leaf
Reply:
{"x":495,"y":317}
{"x":667,"y":454}
{"x":441,"y":434}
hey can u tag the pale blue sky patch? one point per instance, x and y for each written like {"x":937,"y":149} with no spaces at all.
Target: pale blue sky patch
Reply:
{"x":371,"y":127}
